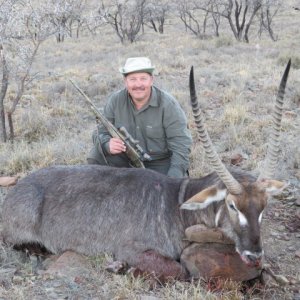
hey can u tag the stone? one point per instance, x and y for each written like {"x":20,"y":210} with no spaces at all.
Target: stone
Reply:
{"x":216,"y":260}
{"x":69,"y":264}
{"x":236,"y":159}
{"x":7,"y":181}
{"x":146,"y":297}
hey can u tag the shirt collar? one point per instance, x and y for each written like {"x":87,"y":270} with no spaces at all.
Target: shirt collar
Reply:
{"x":153,"y":98}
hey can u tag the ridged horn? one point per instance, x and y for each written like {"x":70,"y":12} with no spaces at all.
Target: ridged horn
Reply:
{"x":230,"y":182}
{"x":273,"y":151}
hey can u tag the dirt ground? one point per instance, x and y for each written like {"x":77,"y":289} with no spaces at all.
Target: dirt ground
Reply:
{"x":281,"y":238}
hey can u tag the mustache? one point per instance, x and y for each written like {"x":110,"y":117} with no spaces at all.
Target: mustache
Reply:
{"x":138,"y":89}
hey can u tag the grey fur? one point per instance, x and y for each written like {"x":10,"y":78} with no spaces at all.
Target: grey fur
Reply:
{"x":93,"y":209}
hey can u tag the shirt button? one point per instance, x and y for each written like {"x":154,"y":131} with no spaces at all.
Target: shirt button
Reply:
{"x":137,"y":127}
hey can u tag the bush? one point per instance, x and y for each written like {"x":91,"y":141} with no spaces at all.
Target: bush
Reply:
{"x":223,"y":41}
{"x":284,"y":58}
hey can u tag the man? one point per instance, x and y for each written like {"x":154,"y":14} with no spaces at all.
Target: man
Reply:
{"x":151,"y":116}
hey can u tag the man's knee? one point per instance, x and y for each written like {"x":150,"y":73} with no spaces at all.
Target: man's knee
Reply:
{"x":92,"y":161}
{"x":96,"y":158}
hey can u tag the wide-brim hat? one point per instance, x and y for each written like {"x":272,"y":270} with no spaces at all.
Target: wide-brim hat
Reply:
{"x":137,"y":64}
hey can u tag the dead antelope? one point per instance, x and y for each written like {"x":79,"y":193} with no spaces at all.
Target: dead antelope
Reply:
{"x":138,"y":215}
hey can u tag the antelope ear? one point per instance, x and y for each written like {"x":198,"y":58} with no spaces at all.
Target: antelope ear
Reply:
{"x":272,"y":187}
{"x":205,"y":198}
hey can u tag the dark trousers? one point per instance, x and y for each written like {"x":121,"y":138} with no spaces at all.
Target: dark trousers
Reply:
{"x":122,"y":161}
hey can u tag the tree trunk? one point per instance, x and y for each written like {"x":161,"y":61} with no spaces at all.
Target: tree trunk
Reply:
{"x":255,"y":10}
{"x":11,"y":126}
{"x":4,"y":86}
{"x":3,"y":137}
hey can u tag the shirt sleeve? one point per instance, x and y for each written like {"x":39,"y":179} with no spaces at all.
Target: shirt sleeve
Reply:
{"x":179,"y":139}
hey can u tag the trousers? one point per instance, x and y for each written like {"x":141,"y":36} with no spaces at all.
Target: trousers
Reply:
{"x":97,"y":156}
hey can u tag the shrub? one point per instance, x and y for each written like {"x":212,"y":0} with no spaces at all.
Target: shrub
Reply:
{"x":284,"y":58}
{"x":223,"y":41}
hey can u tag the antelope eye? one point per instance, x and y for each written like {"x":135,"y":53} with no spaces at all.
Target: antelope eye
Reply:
{"x":232,"y":207}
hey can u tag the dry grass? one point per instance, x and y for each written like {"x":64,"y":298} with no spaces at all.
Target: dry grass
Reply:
{"x":236,"y":86}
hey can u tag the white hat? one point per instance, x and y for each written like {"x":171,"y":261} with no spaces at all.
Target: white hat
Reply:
{"x":137,"y":64}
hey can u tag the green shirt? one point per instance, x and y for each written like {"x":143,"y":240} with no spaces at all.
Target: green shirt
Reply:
{"x":160,"y":127}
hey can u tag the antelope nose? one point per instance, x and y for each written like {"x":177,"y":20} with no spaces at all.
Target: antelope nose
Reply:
{"x":254,"y":259}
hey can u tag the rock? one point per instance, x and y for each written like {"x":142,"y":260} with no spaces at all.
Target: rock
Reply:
{"x":268,"y":281}
{"x":290,"y":114}
{"x":296,"y":296}
{"x":215,"y":260}
{"x":236,"y":159}
{"x":145,"y":297}
{"x":17,"y":279}
{"x":297,"y":253}
{"x":70,"y":264}
{"x":8,"y":181}
{"x":117,"y":267}
{"x":279,"y":279}
{"x":201,"y":234}
{"x":6,"y":276}
{"x":297,"y":202}
{"x":281,"y":228}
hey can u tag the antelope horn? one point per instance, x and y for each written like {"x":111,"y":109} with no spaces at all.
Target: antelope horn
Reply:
{"x":230,"y":182}
{"x":271,"y":159}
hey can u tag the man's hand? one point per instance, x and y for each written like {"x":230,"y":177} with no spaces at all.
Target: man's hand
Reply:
{"x":116,"y":146}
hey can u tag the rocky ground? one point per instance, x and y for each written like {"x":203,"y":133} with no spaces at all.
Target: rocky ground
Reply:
{"x":281,"y":232}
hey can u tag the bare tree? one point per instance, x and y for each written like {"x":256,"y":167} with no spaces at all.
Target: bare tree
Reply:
{"x":199,"y":16}
{"x":21,"y":33}
{"x":62,"y":14}
{"x":156,"y":13}
{"x":240,"y":15}
{"x":192,"y":17}
{"x":269,"y":10}
{"x":88,"y":18}
{"x":125,"y":17}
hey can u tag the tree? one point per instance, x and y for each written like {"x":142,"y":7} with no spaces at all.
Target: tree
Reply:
{"x":240,"y":15}
{"x":62,"y":14}
{"x":198,"y":16}
{"x":269,"y":10}
{"x":156,"y":13}
{"x":125,"y":17}
{"x":22,"y":30}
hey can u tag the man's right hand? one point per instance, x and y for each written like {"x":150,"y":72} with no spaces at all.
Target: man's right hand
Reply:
{"x":116,"y":146}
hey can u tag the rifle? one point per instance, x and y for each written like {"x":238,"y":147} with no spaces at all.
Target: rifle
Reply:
{"x":134,"y":151}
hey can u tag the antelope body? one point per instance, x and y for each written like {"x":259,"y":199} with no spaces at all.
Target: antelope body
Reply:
{"x":138,"y":215}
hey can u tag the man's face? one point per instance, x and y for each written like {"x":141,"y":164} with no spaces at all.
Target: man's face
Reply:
{"x":139,"y":86}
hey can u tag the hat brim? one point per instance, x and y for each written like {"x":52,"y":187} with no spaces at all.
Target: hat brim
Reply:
{"x":126,"y":72}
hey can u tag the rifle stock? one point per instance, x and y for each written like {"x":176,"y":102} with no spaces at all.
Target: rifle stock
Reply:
{"x":131,"y":152}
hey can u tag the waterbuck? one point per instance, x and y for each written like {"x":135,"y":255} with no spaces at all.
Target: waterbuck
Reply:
{"x":139,"y":215}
